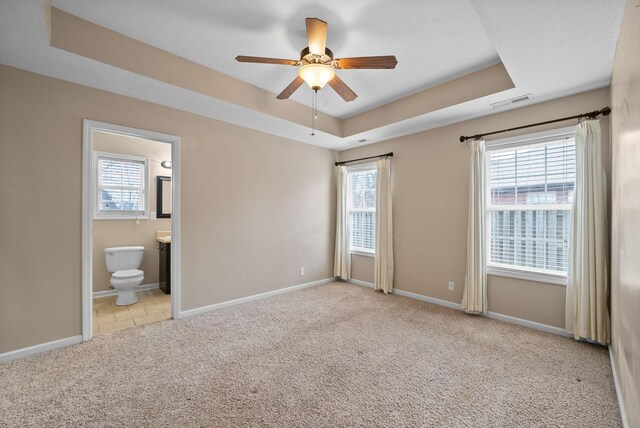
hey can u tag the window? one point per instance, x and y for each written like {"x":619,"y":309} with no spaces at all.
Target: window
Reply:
{"x":361,"y":206}
{"x":120,"y":186}
{"x":529,"y":206}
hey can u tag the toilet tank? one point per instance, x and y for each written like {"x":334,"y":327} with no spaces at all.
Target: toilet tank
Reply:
{"x":123,"y":258}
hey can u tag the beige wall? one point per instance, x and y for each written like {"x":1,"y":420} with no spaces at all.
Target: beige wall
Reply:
{"x":255,"y":207}
{"x":530,"y":300}
{"x":625,"y":233}
{"x":362,"y":267}
{"x":430,"y":182}
{"x":121,"y":232}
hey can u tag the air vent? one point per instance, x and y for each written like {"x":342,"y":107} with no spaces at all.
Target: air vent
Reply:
{"x":515,"y":100}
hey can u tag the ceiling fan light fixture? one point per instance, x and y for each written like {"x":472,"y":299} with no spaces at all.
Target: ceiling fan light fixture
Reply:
{"x":316,"y":75}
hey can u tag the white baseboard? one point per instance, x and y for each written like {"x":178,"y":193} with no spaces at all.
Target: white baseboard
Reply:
{"x":209,"y":308}
{"x":433,"y":300}
{"x":36,"y":349}
{"x":531,"y":324}
{"x":361,"y":283}
{"x":616,"y":384}
{"x":458,"y":306}
{"x":107,"y":293}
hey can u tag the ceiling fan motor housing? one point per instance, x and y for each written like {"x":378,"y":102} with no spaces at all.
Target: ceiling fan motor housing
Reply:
{"x":306,"y":57}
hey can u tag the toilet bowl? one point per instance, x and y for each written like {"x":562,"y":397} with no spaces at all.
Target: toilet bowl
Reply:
{"x":126,"y":282}
{"x":124,"y":264}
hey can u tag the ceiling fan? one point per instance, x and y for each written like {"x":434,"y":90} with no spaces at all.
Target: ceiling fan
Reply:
{"x":317,"y":66}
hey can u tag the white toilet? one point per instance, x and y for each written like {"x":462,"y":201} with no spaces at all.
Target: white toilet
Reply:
{"x":124,"y":264}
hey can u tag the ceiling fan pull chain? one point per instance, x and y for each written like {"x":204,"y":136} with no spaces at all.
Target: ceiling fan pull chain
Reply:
{"x":314,"y":111}
{"x":315,"y":106}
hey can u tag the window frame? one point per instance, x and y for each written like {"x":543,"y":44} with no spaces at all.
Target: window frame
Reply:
{"x":518,"y":272}
{"x":99,"y":214}
{"x":351,"y":169}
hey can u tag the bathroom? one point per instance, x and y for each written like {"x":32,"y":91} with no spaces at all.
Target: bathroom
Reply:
{"x":131,"y":240}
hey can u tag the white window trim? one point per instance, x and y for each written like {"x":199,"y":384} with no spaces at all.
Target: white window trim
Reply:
{"x":530,"y":139}
{"x":99,"y":215}
{"x":526,"y":274}
{"x":529,"y":274}
{"x":367,"y":166}
{"x":363,"y":252}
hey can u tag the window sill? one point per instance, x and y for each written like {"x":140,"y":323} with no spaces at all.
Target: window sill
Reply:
{"x":527,"y":275}
{"x":123,"y":218}
{"x":362,"y":253}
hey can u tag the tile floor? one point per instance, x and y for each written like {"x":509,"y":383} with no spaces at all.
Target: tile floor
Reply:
{"x":153,"y":305}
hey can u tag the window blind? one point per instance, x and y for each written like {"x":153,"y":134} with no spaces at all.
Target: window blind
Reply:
{"x":362,"y":209}
{"x":530,"y":195}
{"x":121,"y":185}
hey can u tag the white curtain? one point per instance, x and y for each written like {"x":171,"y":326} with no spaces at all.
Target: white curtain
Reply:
{"x":383,"y":275}
{"x":342,"y":258}
{"x":586,"y":312}
{"x":474,"y":297}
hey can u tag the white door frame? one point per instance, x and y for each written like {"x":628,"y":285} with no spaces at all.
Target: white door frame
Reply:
{"x":87,"y":215}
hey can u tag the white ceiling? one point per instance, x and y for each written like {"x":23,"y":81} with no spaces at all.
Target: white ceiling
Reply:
{"x":550,"y":48}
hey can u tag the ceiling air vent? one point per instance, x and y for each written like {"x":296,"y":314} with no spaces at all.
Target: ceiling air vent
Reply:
{"x":515,"y":100}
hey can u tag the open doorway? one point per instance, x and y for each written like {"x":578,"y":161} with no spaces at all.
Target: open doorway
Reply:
{"x":131,"y":228}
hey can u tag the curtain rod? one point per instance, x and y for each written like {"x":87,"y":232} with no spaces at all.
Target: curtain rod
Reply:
{"x":591,"y":115}
{"x":386,"y":155}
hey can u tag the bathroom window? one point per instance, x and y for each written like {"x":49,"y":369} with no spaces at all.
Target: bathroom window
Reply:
{"x":121,"y":186}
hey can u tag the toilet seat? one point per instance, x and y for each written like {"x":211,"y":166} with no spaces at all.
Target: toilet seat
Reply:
{"x":127,"y":274}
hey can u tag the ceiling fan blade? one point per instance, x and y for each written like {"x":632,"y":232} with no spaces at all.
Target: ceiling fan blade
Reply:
{"x":289,"y":90}
{"x":316,"y":35}
{"x":342,"y":89}
{"x":263,"y":60}
{"x":386,"y":61}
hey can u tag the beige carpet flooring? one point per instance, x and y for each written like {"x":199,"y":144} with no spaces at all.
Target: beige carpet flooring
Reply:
{"x":332,"y":355}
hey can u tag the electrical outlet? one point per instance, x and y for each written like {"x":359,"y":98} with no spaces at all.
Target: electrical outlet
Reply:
{"x":301,"y":271}
{"x":451,"y":285}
